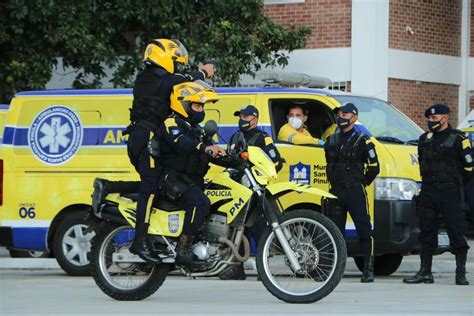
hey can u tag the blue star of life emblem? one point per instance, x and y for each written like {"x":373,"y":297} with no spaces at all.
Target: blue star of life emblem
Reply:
{"x":55,"y":135}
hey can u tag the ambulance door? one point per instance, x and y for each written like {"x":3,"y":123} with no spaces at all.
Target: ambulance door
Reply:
{"x":304,"y":163}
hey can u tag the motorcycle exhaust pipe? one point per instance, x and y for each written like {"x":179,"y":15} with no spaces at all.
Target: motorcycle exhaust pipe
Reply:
{"x":235,"y":249}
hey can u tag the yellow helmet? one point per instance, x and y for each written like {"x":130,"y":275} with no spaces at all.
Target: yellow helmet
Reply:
{"x":191,"y":92}
{"x":164,"y":53}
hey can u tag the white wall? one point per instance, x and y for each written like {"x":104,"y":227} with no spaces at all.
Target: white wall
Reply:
{"x":424,"y":67}
{"x":369,"y":59}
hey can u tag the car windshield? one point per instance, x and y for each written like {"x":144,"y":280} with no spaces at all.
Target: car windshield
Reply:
{"x":383,"y":121}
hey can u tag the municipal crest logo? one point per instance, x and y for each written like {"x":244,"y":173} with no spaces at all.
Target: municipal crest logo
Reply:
{"x":55,"y":135}
{"x":173,"y":223}
{"x":300,"y":173}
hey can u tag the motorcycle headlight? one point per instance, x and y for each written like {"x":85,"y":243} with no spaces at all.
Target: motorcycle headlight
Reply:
{"x":394,"y":189}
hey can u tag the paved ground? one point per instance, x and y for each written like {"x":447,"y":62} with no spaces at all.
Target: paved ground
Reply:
{"x":51,"y":292}
{"x":47,"y":290}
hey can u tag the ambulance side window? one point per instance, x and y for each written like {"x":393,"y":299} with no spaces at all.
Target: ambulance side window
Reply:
{"x":320,"y":117}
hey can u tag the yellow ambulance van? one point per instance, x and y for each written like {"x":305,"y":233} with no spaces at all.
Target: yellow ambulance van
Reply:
{"x":13,"y":252}
{"x":57,"y":142}
{"x":3,"y":114}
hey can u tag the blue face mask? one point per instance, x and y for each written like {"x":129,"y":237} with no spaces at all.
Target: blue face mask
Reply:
{"x":343,"y":123}
{"x":434,"y":126}
{"x":197,"y":117}
{"x":244,"y":125}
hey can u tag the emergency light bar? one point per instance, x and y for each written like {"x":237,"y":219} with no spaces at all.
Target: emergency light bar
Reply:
{"x":293,"y":79}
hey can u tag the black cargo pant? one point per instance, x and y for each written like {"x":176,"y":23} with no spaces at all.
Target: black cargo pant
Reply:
{"x":353,"y":199}
{"x":148,"y":170}
{"x":444,"y":199}
{"x":197,"y":205}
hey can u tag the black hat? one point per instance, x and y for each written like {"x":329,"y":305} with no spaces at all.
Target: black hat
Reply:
{"x":437,"y":109}
{"x":347,"y":108}
{"x":247,"y":110}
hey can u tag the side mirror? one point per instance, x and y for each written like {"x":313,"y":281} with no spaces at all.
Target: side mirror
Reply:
{"x":210,"y":128}
{"x":237,"y":145}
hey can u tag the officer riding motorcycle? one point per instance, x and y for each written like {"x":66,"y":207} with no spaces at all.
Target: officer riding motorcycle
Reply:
{"x":199,"y":227}
{"x":151,"y":95}
{"x":185,"y":157}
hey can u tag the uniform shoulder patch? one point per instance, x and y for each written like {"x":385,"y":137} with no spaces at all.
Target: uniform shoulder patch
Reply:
{"x":372,"y":153}
{"x":268,"y":140}
{"x":468,"y":158}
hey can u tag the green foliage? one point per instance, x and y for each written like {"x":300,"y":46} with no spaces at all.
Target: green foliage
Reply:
{"x":91,"y":35}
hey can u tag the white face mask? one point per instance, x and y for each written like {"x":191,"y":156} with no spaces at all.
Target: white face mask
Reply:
{"x":295,"y":122}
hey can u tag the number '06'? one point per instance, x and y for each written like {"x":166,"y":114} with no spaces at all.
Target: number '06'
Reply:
{"x":27,"y":212}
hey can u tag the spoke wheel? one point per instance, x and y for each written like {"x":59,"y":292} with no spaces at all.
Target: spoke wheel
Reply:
{"x":320,"y":250}
{"x":125,"y":281}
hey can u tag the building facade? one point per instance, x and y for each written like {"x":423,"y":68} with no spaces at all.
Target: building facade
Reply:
{"x":411,"y":52}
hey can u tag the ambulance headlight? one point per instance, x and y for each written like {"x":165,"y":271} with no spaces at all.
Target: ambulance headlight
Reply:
{"x":394,"y":189}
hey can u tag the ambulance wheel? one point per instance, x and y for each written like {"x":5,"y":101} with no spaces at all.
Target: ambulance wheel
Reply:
{"x":72,"y":244}
{"x":383,"y":265}
{"x":28,"y":254}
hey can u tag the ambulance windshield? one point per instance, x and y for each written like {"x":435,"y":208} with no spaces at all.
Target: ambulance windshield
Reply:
{"x":383,"y":121}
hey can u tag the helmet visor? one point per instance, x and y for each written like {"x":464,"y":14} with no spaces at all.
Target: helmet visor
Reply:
{"x":181,"y":51}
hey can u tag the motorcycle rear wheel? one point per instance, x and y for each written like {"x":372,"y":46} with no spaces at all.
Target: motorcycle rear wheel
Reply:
{"x":321,"y":252}
{"x":122,"y":281}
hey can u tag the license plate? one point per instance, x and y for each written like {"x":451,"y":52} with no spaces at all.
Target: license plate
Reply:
{"x":443,"y":240}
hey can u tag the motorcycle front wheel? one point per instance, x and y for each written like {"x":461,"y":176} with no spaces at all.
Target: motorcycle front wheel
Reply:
{"x":321,"y":252}
{"x":121,"y":280}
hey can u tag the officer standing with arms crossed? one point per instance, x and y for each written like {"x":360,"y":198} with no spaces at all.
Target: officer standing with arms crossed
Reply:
{"x":445,"y":157}
{"x":352,"y":165}
{"x":151,"y":106}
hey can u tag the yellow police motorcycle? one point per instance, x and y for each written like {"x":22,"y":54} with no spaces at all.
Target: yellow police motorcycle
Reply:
{"x":300,"y":257}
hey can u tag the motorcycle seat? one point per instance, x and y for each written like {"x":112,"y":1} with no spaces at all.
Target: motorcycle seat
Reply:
{"x":160,"y":203}
{"x":166,"y":205}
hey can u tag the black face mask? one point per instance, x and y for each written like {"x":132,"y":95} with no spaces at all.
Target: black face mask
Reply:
{"x":197,"y":117}
{"x":244,"y":125}
{"x":434,"y":126}
{"x":343,"y":123}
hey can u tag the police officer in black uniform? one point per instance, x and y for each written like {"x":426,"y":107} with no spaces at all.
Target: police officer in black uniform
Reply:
{"x":248,"y":125}
{"x":151,"y":99}
{"x":352,"y":165}
{"x":445,"y":157}
{"x":185,"y":157}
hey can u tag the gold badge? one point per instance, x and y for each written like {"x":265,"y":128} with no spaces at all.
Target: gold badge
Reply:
{"x":429,"y":135}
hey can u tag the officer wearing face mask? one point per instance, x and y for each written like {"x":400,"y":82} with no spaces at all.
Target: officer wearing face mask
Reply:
{"x":185,"y":157}
{"x":295,"y":131}
{"x":151,"y":105}
{"x":352,"y":165}
{"x":248,"y":122}
{"x":445,"y":157}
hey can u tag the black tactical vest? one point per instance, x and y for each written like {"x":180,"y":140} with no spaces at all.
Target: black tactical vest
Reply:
{"x":345,"y":161}
{"x":147,"y":104}
{"x":194,"y":165}
{"x":440,"y":162}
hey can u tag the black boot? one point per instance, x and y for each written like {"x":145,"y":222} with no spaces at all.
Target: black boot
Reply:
{"x":234,"y":273}
{"x":184,"y":252}
{"x":424,"y":275}
{"x":140,"y":246}
{"x":368,"y":274}
{"x":461,"y":268}
{"x":100,"y":191}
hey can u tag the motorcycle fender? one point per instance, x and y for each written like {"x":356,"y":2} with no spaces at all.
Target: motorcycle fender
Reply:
{"x":281,"y":187}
